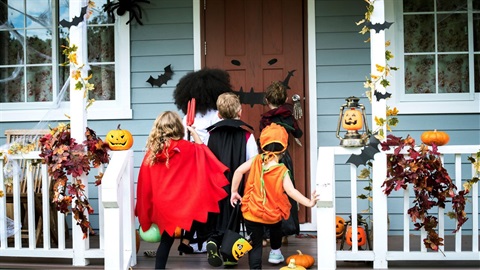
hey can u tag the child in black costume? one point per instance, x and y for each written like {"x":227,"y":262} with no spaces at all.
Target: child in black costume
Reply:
{"x":232,"y":142}
{"x":281,"y":113}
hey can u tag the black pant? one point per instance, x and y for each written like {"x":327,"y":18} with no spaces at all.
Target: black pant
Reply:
{"x":256,"y":231}
{"x":163,"y":250}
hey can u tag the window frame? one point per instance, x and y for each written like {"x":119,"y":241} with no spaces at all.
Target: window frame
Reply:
{"x":120,"y":108}
{"x":419,"y":103}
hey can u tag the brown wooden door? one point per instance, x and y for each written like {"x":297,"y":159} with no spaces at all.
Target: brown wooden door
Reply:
{"x":257,"y":42}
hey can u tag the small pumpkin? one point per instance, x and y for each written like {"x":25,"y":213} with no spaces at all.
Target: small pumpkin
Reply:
{"x":301,"y":259}
{"x":178,"y":232}
{"x":361,"y":236}
{"x":119,"y":139}
{"x":340,"y":226}
{"x":292,"y":265}
{"x":352,"y":119}
{"x":435,"y":137}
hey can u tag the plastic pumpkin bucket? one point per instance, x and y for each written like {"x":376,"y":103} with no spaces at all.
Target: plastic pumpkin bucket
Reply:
{"x":152,"y":235}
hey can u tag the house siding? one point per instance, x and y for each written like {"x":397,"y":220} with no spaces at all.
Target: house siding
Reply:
{"x":342,"y":63}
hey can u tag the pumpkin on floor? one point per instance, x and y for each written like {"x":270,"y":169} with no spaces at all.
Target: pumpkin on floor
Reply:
{"x":292,"y":265}
{"x":435,"y":137}
{"x":119,"y":139}
{"x":152,"y":235}
{"x":301,"y":259}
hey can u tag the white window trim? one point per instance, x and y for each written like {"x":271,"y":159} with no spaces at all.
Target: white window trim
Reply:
{"x":469,"y":104}
{"x":120,"y":108}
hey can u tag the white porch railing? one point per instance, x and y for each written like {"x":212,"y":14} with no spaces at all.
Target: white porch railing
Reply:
{"x":115,"y":210}
{"x":459,"y":168}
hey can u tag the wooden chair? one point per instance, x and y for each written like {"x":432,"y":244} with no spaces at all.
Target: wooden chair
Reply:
{"x":25,"y":137}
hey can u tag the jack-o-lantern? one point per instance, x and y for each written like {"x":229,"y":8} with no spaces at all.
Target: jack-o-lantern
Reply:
{"x":352,"y":119}
{"x":240,"y":248}
{"x":340,"y":226}
{"x":119,"y":139}
{"x":361,"y":236}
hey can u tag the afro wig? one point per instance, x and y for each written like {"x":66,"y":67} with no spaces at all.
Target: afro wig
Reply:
{"x":205,"y":86}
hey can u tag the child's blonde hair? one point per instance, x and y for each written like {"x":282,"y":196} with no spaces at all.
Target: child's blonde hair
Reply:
{"x":228,"y":105}
{"x":276,"y":94}
{"x":166,"y":127}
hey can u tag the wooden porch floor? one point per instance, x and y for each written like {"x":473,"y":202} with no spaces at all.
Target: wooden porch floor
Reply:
{"x":199,"y":261}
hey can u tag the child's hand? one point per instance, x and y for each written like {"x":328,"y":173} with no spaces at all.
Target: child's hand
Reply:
{"x":314,"y":199}
{"x":235,"y":198}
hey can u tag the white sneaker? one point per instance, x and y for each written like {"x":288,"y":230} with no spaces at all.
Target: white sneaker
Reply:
{"x":275,"y":258}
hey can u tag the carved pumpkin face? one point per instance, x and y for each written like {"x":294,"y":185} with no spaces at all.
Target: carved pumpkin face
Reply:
{"x":361,"y":236}
{"x":340,"y":226}
{"x":119,"y":139}
{"x":240,"y":248}
{"x":352,"y":119}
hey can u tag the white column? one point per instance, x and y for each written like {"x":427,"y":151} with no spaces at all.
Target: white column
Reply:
{"x":78,"y":117}
{"x":379,"y":204}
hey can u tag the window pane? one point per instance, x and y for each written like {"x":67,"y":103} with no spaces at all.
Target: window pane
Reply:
{"x":451,"y":5}
{"x":476,"y":32}
{"x":452,"y":33}
{"x":453,"y":73}
{"x":39,"y":46}
{"x":64,"y":88}
{"x":104,"y":81}
{"x":101,"y":45}
{"x":9,"y":14}
{"x":11,"y":81}
{"x":11,"y":51}
{"x":39,"y":14}
{"x":419,"y":74}
{"x":477,"y":73}
{"x":417,"y":6}
{"x":420,"y":35}
{"x":99,"y":16}
{"x":39,"y":84}
{"x":476,"y":5}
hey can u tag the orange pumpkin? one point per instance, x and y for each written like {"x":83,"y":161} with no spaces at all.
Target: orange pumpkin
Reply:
{"x":435,"y":137}
{"x":361,"y":236}
{"x":352,"y":119}
{"x":301,"y":259}
{"x":340,"y":226}
{"x":178,"y":232}
{"x":119,"y":139}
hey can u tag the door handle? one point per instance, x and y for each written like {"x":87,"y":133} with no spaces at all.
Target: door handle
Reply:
{"x":297,"y":107}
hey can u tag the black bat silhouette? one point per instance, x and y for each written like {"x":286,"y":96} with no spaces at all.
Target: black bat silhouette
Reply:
{"x":378,"y":26}
{"x":368,"y":152}
{"x":76,"y":20}
{"x":380,"y":95}
{"x":162,"y":79}
{"x":250,"y":98}
{"x":287,"y":79}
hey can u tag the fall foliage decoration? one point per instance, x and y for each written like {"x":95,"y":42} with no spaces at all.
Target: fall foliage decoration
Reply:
{"x":422,"y":168}
{"x":65,"y":157}
{"x":119,"y":139}
{"x":435,"y":137}
{"x":301,"y":259}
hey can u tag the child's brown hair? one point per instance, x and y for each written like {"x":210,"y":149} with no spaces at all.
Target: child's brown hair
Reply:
{"x":276,"y":94}
{"x":228,"y":105}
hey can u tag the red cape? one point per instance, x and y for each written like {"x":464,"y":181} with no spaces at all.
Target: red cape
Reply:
{"x":187,"y":190}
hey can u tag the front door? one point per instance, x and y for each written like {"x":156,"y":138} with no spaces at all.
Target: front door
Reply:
{"x":257,"y":42}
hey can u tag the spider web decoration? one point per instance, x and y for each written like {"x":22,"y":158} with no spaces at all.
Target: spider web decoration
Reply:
{"x":122,"y":6}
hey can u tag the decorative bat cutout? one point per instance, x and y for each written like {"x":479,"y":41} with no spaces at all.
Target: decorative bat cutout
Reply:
{"x":287,"y":79}
{"x":76,"y":20}
{"x":368,"y":152}
{"x":163,"y":78}
{"x":378,"y":26}
{"x":380,"y":95}
{"x":250,"y":98}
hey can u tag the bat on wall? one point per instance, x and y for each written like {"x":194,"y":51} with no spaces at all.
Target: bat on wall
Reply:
{"x":76,"y":20}
{"x":163,"y":78}
{"x":287,"y":79}
{"x":368,"y":152}
{"x":251,"y":97}
{"x":380,"y":95}
{"x":378,"y":26}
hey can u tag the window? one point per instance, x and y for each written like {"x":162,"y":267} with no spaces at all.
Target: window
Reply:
{"x":33,"y":83}
{"x":437,"y":50}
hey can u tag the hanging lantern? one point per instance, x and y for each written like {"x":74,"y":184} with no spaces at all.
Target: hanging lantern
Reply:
{"x":352,"y":118}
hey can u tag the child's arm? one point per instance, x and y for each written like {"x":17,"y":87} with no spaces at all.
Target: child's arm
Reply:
{"x":237,"y":178}
{"x":296,"y":195}
{"x":194,"y":133}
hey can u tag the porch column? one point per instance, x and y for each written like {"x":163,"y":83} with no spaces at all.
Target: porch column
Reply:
{"x":78,"y":117}
{"x":379,"y":204}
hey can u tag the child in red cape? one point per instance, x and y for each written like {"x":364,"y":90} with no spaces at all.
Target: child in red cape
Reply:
{"x":179,"y":182}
